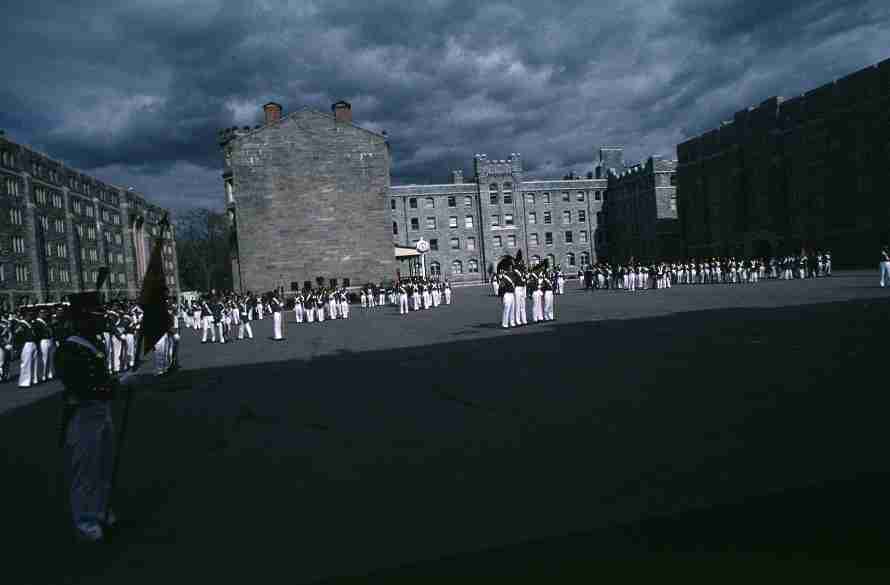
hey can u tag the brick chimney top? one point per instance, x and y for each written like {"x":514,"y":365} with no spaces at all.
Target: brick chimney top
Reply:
{"x":342,"y":111}
{"x":272,"y":111}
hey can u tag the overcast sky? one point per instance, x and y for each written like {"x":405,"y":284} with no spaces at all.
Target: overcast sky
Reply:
{"x":134,"y":92}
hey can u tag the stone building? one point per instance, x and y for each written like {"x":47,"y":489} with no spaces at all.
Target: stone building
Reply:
{"x":58,"y":226}
{"x":802,"y":173}
{"x":641,"y":211}
{"x":471,"y":225}
{"x":307,"y":195}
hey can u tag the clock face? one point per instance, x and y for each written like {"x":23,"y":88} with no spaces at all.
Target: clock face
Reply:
{"x":423,"y":246}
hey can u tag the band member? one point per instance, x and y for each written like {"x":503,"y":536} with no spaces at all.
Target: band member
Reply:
{"x":520,"y":299}
{"x":547,"y":289}
{"x":537,"y":298}
{"x":403,"y":298}
{"x":447,"y":292}
{"x":207,"y":321}
{"x":344,"y":303}
{"x":885,"y":266}
{"x":7,"y":326}
{"x":506,"y":288}
{"x":43,"y":332}
{"x":275,"y":306}
{"x":245,"y":308}
{"x":26,"y":340}
{"x":86,"y":432}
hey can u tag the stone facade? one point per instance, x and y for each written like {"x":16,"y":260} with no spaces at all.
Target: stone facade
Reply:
{"x":806,"y":172}
{"x":307,"y":193}
{"x":641,"y":211}
{"x":58,"y":226}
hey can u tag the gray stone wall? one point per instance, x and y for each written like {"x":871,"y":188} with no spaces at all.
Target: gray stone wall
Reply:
{"x":310,"y":194}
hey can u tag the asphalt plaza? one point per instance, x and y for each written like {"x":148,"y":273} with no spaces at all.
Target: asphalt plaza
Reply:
{"x":724,"y":422}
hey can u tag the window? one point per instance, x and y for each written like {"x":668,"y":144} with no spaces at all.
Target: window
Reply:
{"x":568,"y":237}
{"x":431,"y":223}
{"x":6,"y":159}
{"x":118,"y":239}
{"x":570,"y":259}
{"x":536,"y":260}
{"x":57,"y":201}
{"x":532,"y":217}
{"x":508,"y":219}
{"x":91,"y":233}
{"x":493,"y":188}
{"x":59,"y":225}
{"x":495,"y":220}
{"x":468,"y":222}
{"x":566,"y":217}
{"x":452,"y":202}
{"x":471,"y":243}
{"x":582,"y":216}
{"x":412,"y":203}
{"x":673,"y":200}
{"x":673,"y":180}
{"x":79,"y":229}
{"x":565,"y":196}
{"x":106,"y":217}
{"x":597,"y":195}
{"x":434,"y":244}
{"x":395,"y":229}
{"x":454,"y":243}
{"x":120,"y":258}
{"x":551,"y":260}
{"x":457,"y":267}
{"x":66,"y":276}
{"x":533,"y":240}
{"x":546,"y":197}
{"x":18,"y":245}
{"x":48,"y":248}
{"x":415,"y":224}
{"x":75,"y":204}
{"x":497,"y":242}
{"x":392,"y":204}
{"x":473,"y":266}
{"x":468,"y":201}
{"x":582,"y":237}
{"x":493,"y":199}
{"x":44,"y":223}
{"x":452,"y":222}
{"x":547,"y":217}
{"x":511,"y":241}
{"x":429,"y":203}
{"x":22,"y":272}
{"x":10,"y":186}
{"x":585,"y":259}
{"x":435,"y":268}
{"x":15,"y":216}
{"x":40,"y":195}
{"x":508,"y":199}
{"x":548,"y":238}
{"x":90,"y":211}
{"x":580,"y":196}
{"x":530,"y":198}
{"x":52,"y":273}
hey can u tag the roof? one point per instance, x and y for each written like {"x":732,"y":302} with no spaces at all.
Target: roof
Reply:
{"x":301,"y":111}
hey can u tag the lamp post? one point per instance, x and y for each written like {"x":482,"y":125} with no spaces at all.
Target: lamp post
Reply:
{"x":423,"y":247}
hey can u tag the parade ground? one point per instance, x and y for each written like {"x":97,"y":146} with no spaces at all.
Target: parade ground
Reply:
{"x":735,"y":426}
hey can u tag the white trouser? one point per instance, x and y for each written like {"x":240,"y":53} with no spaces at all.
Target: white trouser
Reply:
{"x":561,"y":283}
{"x":537,"y":308}
{"x":5,"y":359}
{"x":382,"y":299}
{"x":427,"y":300}
{"x":885,"y":273}
{"x":130,"y":340}
{"x":310,"y":315}
{"x":47,"y":350}
{"x":245,"y":326}
{"x":508,"y":318}
{"x":117,"y":346}
{"x":298,"y":313}
{"x":319,"y":314}
{"x":276,"y":316}
{"x":447,"y":296}
{"x":403,"y":303}
{"x":416,"y":298}
{"x":162,"y":354}
{"x":197,"y":320}
{"x":519,"y":306}
{"x":494,"y":286}
{"x":548,"y":305}
{"x":259,"y":309}
{"x":28,"y":372}
{"x":208,"y":328}
{"x":221,"y":326}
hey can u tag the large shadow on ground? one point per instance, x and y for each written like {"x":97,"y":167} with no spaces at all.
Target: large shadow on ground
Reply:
{"x":726,"y":434}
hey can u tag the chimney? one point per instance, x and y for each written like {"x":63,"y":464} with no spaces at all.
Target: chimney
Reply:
{"x":457,"y":177}
{"x":273,"y":112}
{"x":342,"y":111}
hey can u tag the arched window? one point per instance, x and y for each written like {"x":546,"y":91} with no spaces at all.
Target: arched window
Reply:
{"x":457,"y":267}
{"x":493,"y":187}
{"x":551,"y":261}
{"x":536,"y":260}
{"x":395,"y":229}
{"x":473,"y":266}
{"x":585,"y":258}
{"x":570,"y":258}
{"x":435,"y":269}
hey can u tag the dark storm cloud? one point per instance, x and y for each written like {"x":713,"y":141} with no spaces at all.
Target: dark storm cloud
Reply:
{"x":135,"y":91}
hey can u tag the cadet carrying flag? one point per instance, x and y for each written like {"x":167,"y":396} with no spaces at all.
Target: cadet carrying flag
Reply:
{"x":156,"y":320}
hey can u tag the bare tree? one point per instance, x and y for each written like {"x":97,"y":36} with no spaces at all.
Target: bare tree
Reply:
{"x":203,"y":248}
